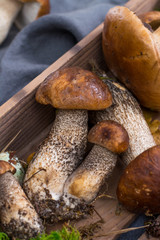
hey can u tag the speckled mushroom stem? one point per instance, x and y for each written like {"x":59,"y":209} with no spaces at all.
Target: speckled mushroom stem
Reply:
{"x":17,"y":216}
{"x":58,"y":155}
{"x":126,"y":111}
{"x":84,"y":184}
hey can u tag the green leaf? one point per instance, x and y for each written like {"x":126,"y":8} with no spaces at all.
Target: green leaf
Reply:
{"x":3,"y":236}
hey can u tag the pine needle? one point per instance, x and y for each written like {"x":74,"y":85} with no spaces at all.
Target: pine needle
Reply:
{"x":121,"y":231}
{"x":4,"y":149}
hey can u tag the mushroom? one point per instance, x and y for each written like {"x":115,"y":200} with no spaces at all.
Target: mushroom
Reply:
{"x":32,"y":10}
{"x":14,"y":161}
{"x":8,"y":12}
{"x":69,"y":89}
{"x":132,"y":54}
{"x":126,"y":111}
{"x":28,"y":11}
{"x":138,"y":189}
{"x":18,"y":218}
{"x":83,"y":185}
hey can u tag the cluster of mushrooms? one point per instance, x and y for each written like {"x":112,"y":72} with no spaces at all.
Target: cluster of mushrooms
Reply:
{"x":63,"y":178}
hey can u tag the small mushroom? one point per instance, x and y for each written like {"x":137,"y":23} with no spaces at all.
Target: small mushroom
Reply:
{"x":132,"y":54}
{"x":6,"y":167}
{"x":18,"y":218}
{"x":139,"y":186}
{"x":84,"y":183}
{"x":31,"y":10}
{"x":13,"y":160}
{"x":126,"y":111}
{"x":111,"y":135}
{"x":68,"y":89}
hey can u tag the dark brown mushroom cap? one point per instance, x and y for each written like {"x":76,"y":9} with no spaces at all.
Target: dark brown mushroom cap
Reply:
{"x":74,"y":88}
{"x":139,"y":186}
{"x":6,"y":167}
{"x":44,"y":6}
{"x":152,"y":18}
{"x":111,"y":135}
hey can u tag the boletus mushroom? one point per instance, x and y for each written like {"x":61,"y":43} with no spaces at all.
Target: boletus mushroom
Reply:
{"x":22,"y":12}
{"x":83,"y":185}
{"x":132,"y":53}
{"x":126,"y":111}
{"x":18,"y":217}
{"x":32,"y":10}
{"x":73,"y":91}
{"x":9,"y":9}
{"x":139,"y":186}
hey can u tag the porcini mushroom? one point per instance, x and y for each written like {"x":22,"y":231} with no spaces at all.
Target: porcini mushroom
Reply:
{"x":18,"y":218}
{"x":131,"y":52}
{"x":126,"y":111}
{"x":111,"y":135}
{"x":8,"y":12}
{"x":84,"y":183}
{"x":59,"y":155}
{"x":31,"y":10}
{"x":138,"y":189}
{"x":22,"y":12}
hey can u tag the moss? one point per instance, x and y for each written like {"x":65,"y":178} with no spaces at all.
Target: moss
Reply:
{"x":66,"y":233}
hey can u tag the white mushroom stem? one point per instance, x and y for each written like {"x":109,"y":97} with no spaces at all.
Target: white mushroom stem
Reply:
{"x":86,"y":180}
{"x":126,"y":111}
{"x":57,"y":157}
{"x":28,"y":14}
{"x":17,"y":216}
{"x":8,"y":12}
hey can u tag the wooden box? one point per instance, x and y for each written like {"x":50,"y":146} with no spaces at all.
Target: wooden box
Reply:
{"x":21,"y":112}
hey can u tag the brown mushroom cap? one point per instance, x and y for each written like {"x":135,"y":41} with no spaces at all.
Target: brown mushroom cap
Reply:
{"x":111,"y":135}
{"x":44,"y":6}
{"x":132,"y":53}
{"x":74,"y":88}
{"x":6,"y":167}
{"x":139,"y":186}
{"x":152,"y":18}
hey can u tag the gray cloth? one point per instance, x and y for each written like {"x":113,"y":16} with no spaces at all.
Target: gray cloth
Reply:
{"x":25,"y":54}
